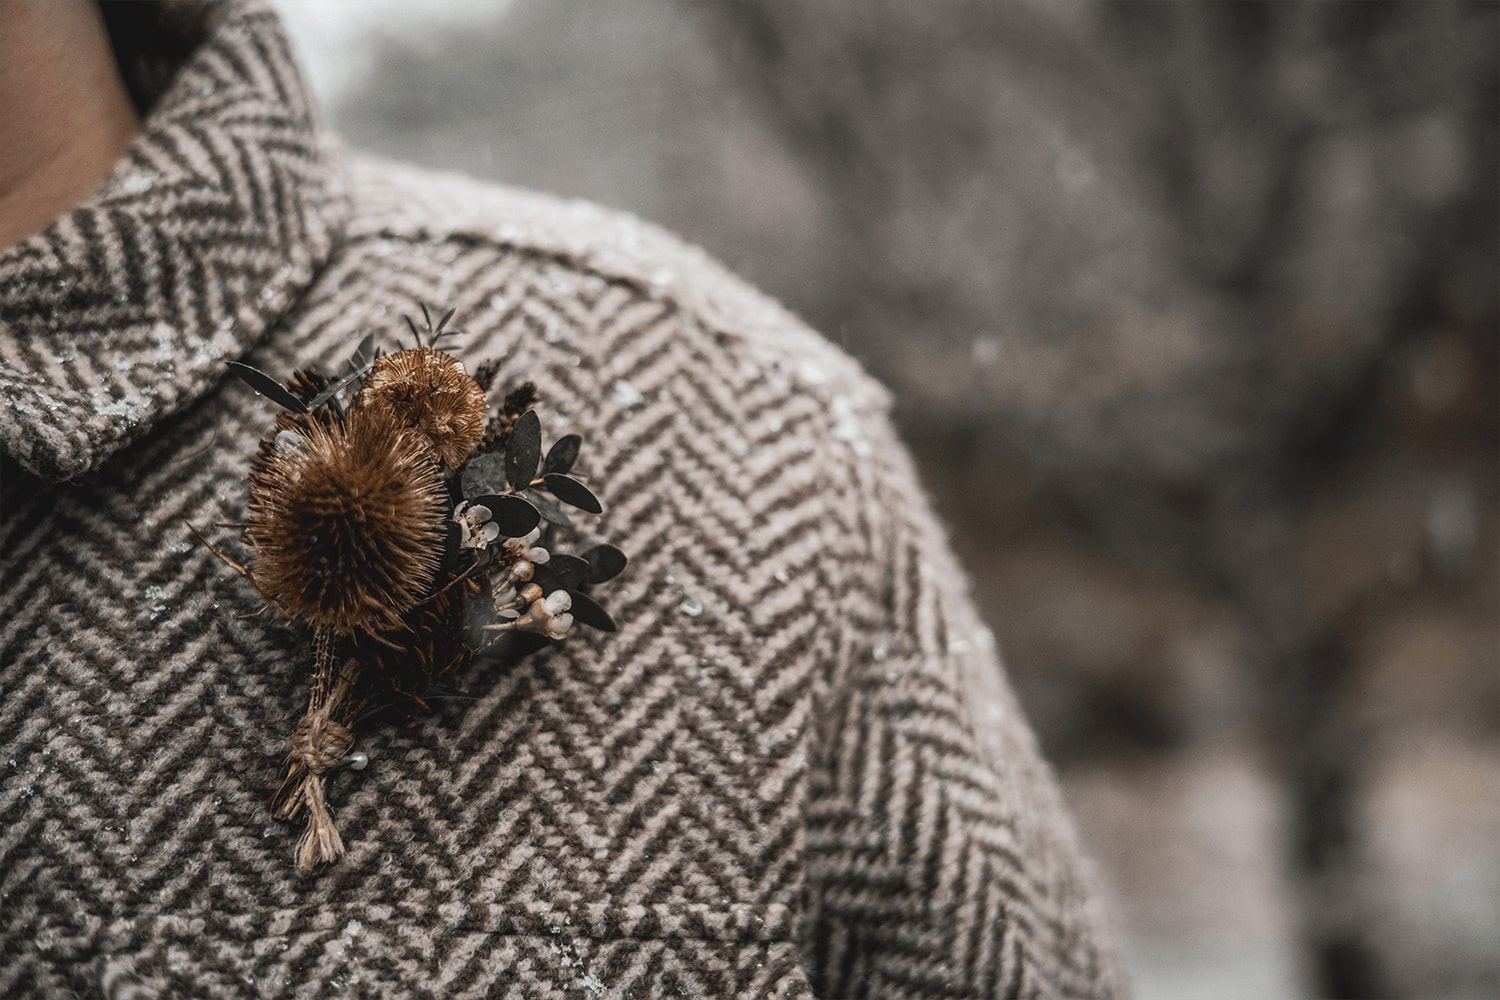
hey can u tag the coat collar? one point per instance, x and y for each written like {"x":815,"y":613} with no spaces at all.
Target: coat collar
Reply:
{"x":219,"y":215}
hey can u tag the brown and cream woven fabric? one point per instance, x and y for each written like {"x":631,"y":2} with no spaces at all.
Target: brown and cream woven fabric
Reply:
{"x":796,"y":770}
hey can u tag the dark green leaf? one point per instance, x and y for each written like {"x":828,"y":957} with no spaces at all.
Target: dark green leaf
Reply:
{"x":523,"y":451}
{"x":484,"y":474}
{"x":569,"y":490}
{"x":605,"y":563}
{"x":335,"y":388}
{"x":515,"y":515}
{"x":364,"y":354}
{"x":553,"y":511}
{"x":562,"y":572}
{"x":563,"y":454}
{"x":268,"y":387}
{"x":588,"y":611}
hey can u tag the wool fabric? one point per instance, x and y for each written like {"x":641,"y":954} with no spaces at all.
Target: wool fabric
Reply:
{"x":796,"y":770}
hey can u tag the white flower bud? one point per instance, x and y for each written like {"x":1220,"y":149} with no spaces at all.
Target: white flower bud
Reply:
{"x":475,"y":527}
{"x":559,"y":626}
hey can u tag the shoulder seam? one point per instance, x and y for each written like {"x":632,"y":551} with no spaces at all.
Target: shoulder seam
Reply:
{"x":637,"y":254}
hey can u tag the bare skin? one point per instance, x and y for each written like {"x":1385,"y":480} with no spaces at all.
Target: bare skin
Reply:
{"x":65,"y":116}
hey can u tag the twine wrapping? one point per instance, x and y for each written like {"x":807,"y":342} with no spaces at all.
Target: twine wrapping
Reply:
{"x":320,"y":743}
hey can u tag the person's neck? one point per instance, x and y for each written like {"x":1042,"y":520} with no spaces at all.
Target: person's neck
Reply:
{"x":64,"y":114}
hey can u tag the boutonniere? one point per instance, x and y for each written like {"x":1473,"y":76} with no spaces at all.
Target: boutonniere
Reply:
{"x":408,"y":527}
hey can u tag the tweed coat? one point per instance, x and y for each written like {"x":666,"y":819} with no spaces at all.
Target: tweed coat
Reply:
{"x":796,"y":770}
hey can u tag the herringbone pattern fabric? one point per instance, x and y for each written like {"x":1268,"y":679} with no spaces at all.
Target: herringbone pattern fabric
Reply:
{"x":795,"y":770}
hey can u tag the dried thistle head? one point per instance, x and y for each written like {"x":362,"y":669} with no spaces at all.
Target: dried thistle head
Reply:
{"x":431,"y":392}
{"x":348,"y":521}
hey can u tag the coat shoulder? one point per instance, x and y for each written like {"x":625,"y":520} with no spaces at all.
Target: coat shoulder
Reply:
{"x":452,"y":212}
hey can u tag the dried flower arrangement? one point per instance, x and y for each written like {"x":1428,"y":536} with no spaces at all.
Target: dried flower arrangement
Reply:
{"x":409,"y":529}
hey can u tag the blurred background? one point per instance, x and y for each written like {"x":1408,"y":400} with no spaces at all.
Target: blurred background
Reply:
{"x":1191,"y":313}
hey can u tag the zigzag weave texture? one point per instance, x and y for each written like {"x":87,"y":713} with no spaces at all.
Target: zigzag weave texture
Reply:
{"x":796,"y":770}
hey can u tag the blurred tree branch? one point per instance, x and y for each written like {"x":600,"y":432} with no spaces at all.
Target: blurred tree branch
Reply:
{"x":1189,"y":238}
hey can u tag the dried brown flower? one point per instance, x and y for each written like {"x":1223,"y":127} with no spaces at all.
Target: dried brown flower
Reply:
{"x":432,"y":392}
{"x":347,"y":520}
{"x":349,"y":524}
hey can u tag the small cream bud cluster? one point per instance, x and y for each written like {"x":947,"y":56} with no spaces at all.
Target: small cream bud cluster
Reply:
{"x":550,"y":613}
{"x":546,"y":615}
{"x":476,"y":527}
{"x":518,"y":559}
{"x":524,"y":555}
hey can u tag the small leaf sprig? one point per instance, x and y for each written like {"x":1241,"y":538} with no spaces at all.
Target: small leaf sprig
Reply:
{"x":410,"y":530}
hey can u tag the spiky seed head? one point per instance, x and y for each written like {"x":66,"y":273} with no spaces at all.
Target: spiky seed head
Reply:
{"x":348,"y":522}
{"x":431,"y":392}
